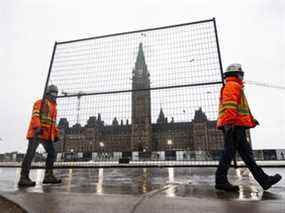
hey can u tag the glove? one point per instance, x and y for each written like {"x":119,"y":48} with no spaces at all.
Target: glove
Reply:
{"x":56,"y":139}
{"x":256,"y":122}
{"x":229,"y":128}
{"x":38,"y":131}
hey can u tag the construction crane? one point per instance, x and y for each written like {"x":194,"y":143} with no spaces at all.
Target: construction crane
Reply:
{"x":265,"y":85}
{"x":78,"y":95}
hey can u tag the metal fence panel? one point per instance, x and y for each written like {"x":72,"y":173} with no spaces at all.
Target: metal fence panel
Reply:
{"x":147,"y":95}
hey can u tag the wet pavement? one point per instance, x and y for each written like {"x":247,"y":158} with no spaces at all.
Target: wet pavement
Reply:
{"x":142,"y":190}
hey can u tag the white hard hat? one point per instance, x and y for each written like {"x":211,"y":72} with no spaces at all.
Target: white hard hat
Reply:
{"x":233,"y":69}
{"x":51,"y":88}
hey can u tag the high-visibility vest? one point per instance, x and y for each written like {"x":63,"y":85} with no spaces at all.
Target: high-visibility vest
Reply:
{"x":233,"y":105}
{"x":46,"y":121}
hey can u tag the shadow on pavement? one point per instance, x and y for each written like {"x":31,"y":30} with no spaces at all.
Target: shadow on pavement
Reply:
{"x":7,"y":206}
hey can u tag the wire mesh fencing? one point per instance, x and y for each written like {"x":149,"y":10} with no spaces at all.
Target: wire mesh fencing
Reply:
{"x":145,"y":96}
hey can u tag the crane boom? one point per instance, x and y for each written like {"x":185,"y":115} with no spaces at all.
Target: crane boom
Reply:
{"x":79,"y":95}
{"x":265,"y":85}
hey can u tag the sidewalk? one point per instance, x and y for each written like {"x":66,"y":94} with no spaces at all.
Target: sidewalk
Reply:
{"x":90,"y":203}
{"x":151,"y":190}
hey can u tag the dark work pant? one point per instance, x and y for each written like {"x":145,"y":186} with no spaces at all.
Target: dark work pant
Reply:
{"x":235,"y":140}
{"x":32,"y":147}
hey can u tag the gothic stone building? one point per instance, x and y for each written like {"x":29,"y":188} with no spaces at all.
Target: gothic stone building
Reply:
{"x":141,"y":135}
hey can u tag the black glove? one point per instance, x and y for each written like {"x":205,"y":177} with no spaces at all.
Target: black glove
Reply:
{"x":229,"y":128}
{"x":38,"y":131}
{"x":256,"y":122}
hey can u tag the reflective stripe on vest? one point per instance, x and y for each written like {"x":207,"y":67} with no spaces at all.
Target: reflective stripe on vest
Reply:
{"x":242,"y":108}
{"x":227,"y":105}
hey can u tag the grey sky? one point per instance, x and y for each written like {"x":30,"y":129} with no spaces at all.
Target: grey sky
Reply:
{"x":250,"y":32}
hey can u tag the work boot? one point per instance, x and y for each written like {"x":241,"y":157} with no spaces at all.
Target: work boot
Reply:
{"x":50,"y":178}
{"x":271,"y":181}
{"x":227,"y":187}
{"x":25,"y":181}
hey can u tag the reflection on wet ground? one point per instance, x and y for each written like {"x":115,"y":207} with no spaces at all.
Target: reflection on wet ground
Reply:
{"x":171,"y":182}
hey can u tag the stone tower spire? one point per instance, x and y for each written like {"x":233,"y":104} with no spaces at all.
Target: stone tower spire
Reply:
{"x":140,"y":62}
{"x":141,"y":104}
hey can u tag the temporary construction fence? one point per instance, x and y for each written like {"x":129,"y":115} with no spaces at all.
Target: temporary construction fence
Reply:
{"x":144,"y":95}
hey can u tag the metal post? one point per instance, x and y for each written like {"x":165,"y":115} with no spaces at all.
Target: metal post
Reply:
{"x":221,"y":69}
{"x":218,"y":49}
{"x":49,"y":70}
{"x":63,"y":146}
{"x":48,"y":76}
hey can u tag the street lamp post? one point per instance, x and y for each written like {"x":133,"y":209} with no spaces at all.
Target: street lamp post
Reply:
{"x":101,"y":144}
{"x":169,"y":143}
{"x":63,"y":145}
{"x":72,"y":157}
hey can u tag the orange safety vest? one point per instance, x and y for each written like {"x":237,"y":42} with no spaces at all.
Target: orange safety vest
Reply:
{"x":46,"y":121}
{"x":233,"y":106}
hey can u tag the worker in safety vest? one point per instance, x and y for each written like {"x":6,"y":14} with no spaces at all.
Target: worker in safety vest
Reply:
{"x":42,"y":130}
{"x":233,"y":119}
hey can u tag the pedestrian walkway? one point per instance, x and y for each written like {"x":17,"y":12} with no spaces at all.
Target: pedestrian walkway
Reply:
{"x":138,"y":190}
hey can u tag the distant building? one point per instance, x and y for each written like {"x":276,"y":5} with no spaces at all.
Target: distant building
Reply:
{"x":141,"y":135}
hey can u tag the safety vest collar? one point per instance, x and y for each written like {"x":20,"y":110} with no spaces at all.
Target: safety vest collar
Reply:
{"x":235,"y":79}
{"x":51,"y":101}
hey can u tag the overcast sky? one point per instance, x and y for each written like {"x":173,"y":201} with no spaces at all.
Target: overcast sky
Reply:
{"x":250,"y":32}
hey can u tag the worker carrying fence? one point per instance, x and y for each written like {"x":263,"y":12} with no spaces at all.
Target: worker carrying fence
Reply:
{"x":42,"y":130}
{"x":234,"y":118}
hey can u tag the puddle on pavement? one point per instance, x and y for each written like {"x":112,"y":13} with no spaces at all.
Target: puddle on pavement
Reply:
{"x":184,"y":182}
